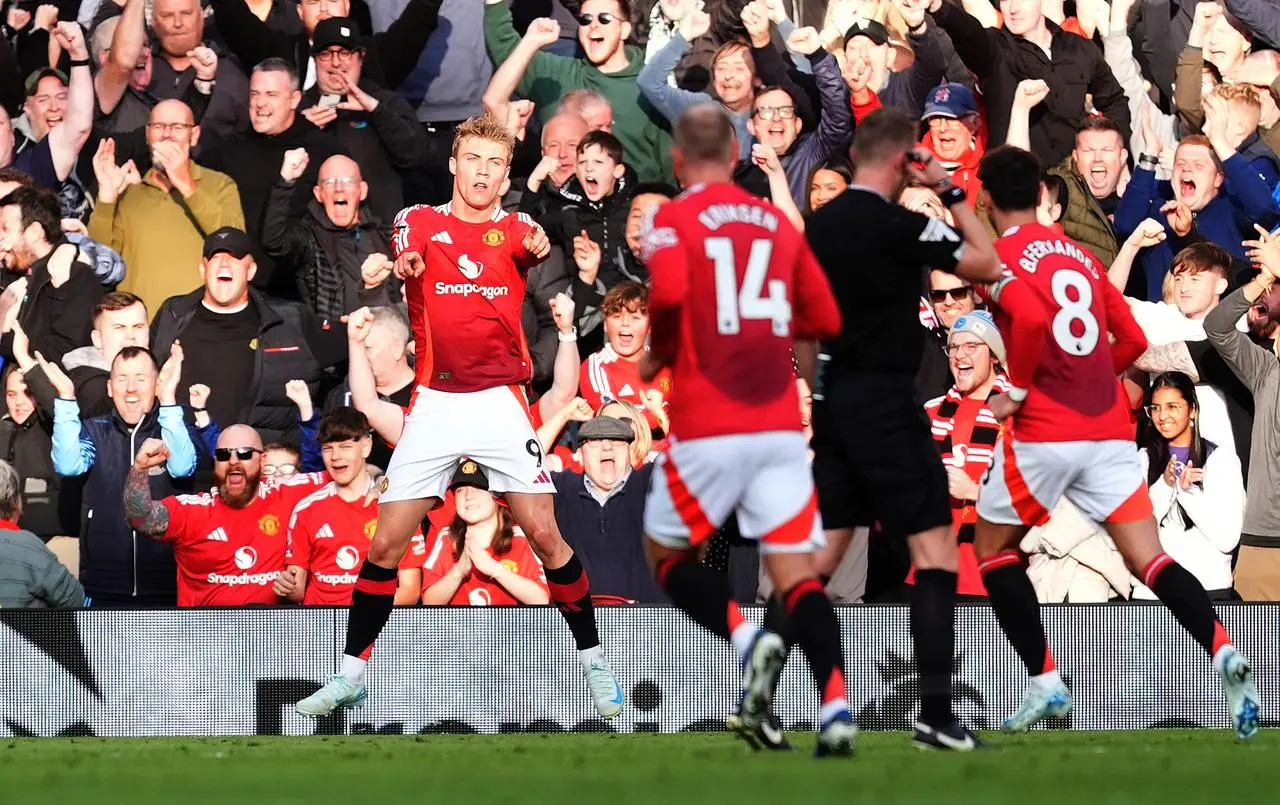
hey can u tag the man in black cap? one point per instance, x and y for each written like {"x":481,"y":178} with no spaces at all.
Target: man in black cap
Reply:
{"x":59,"y":110}
{"x":376,"y":126}
{"x":601,"y":512}
{"x":242,"y":345}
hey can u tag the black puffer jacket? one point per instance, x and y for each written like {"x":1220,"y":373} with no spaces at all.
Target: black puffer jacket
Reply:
{"x":291,"y":345}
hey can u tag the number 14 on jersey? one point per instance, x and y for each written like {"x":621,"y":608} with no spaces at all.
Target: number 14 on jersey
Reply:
{"x":749,"y":302}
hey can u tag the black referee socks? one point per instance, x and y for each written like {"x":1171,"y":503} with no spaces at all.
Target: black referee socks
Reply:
{"x":933,"y":635}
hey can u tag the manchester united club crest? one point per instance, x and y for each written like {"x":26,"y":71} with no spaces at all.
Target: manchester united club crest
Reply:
{"x":383,"y":484}
{"x":493,"y":237}
{"x":510,"y":564}
{"x":269,"y":525}
{"x":664,"y":385}
{"x":370,"y":528}
{"x":469,"y":468}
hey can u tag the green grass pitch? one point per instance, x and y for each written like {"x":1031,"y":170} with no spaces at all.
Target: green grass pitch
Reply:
{"x":1079,"y":768}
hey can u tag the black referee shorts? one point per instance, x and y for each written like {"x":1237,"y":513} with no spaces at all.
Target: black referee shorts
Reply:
{"x":874,"y":458}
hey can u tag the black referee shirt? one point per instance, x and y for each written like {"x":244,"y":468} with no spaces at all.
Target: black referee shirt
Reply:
{"x":876,"y":256}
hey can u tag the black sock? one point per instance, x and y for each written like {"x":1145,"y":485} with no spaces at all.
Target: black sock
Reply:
{"x":1013,"y":599}
{"x":817,"y":632}
{"x":776,"y":620}
{"x":371,"y":604}
{"x":933,"y":634}
{"x":1185,"y":597}
{"x":698,"y":591}
{"x":571,"y":593}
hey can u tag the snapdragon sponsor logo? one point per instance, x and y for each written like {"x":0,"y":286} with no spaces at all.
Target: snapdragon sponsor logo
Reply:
{"x":468,"y":288}
{"x":337,"y":578}
{"x":255,"y":579}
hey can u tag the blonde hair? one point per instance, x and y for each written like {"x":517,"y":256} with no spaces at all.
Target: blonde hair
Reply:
{"x":643,"y":442}
{"x":1242,"y":94}
{"x":484,"y":127}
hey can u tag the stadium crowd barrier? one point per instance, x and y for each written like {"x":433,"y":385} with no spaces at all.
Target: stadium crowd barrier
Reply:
{"x":441,"y":670}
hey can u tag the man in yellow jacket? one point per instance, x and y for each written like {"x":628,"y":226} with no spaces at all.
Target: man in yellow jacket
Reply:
{"x":158,"y":222}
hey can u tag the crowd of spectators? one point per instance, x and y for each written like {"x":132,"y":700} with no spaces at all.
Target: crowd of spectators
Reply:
{"x":199,"y":306}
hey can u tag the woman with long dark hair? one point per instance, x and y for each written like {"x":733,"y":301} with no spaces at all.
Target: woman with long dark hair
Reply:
{"x":481,"y":559}
{"x":829,"y":178}
{"x":1196,"y":487}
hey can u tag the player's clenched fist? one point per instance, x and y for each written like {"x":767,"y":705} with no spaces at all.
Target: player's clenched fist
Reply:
{"x":409,"y":264}
{"x":562,"y":312}
{"x":537,"y":243}
{"x":152,"y":453}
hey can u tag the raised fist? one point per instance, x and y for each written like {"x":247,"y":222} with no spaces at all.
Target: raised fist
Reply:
{"x":294,"y":164}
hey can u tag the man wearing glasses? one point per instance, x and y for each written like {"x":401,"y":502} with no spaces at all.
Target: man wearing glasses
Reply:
{"x":338,"y":251}
{"x":157,"y":221}
{"x":950,"y":297}
{"x":229,"y":543}
{"x":376,"y":126}
{"x":609,"y":66}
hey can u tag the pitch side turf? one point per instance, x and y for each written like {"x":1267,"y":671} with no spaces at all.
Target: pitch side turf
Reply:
{"x":1117,"y":768}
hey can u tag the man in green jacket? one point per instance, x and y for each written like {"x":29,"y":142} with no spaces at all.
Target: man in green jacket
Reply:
{"x":610,"y":67}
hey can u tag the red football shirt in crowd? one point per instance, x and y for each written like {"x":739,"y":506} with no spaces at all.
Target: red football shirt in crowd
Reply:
{"x":733,"y":284}
{"x":228,"y":556}
{"x":1055,"y":315}
{"x":330,"y":537}
{"x":477,"y":589}
{"x":607,"y":376}
{"x":464,"y":310}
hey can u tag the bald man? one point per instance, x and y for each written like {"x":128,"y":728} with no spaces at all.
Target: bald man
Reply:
{"x":338,"y":250}
{"x":229,"y":543}
{"x":158,"y":222}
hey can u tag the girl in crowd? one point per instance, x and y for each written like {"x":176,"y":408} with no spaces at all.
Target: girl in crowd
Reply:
{"x":481,"y":559}
{"x":1197,"y":488}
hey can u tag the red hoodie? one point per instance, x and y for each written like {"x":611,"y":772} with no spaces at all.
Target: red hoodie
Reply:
{"x":965,"y":172}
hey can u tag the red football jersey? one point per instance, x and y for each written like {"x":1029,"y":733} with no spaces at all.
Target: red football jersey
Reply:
{"x":329,"y":537}
{"x":606,"y":376}
{"x":477,"y":589}
{"x":1055,"y":315}
{"x":464,"y":310}
{"x":733,"y":284}
{"x":231,"y":557}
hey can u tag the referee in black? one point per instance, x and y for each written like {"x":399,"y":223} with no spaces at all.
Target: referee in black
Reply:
{"x":874,"y":458}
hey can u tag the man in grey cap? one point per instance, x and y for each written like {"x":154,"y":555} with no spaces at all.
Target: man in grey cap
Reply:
{"x":601,"y":512}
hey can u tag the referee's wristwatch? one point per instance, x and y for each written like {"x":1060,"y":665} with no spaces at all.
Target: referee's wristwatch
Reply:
{"x":1017,"y":394}
{"x":950,"y":194}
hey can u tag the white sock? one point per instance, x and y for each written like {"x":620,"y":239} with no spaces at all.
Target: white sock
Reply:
{"x":592,"y":655}
{"x":1220,"y":656}
{"x":1048,"y":680}
{"x":353,"y":668}
{"x":742,"y":636}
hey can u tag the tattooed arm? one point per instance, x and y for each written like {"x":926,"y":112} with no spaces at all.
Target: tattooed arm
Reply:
{"x":144,"y":514}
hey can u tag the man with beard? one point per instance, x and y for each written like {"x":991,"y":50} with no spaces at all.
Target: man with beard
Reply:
{"x":869,"y":56}
{"x":229,"y":543}
{"x":253,"y":158}
{"x":116,"y":567}
{"x":56,"y":291}
{"x":375,"y":125}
